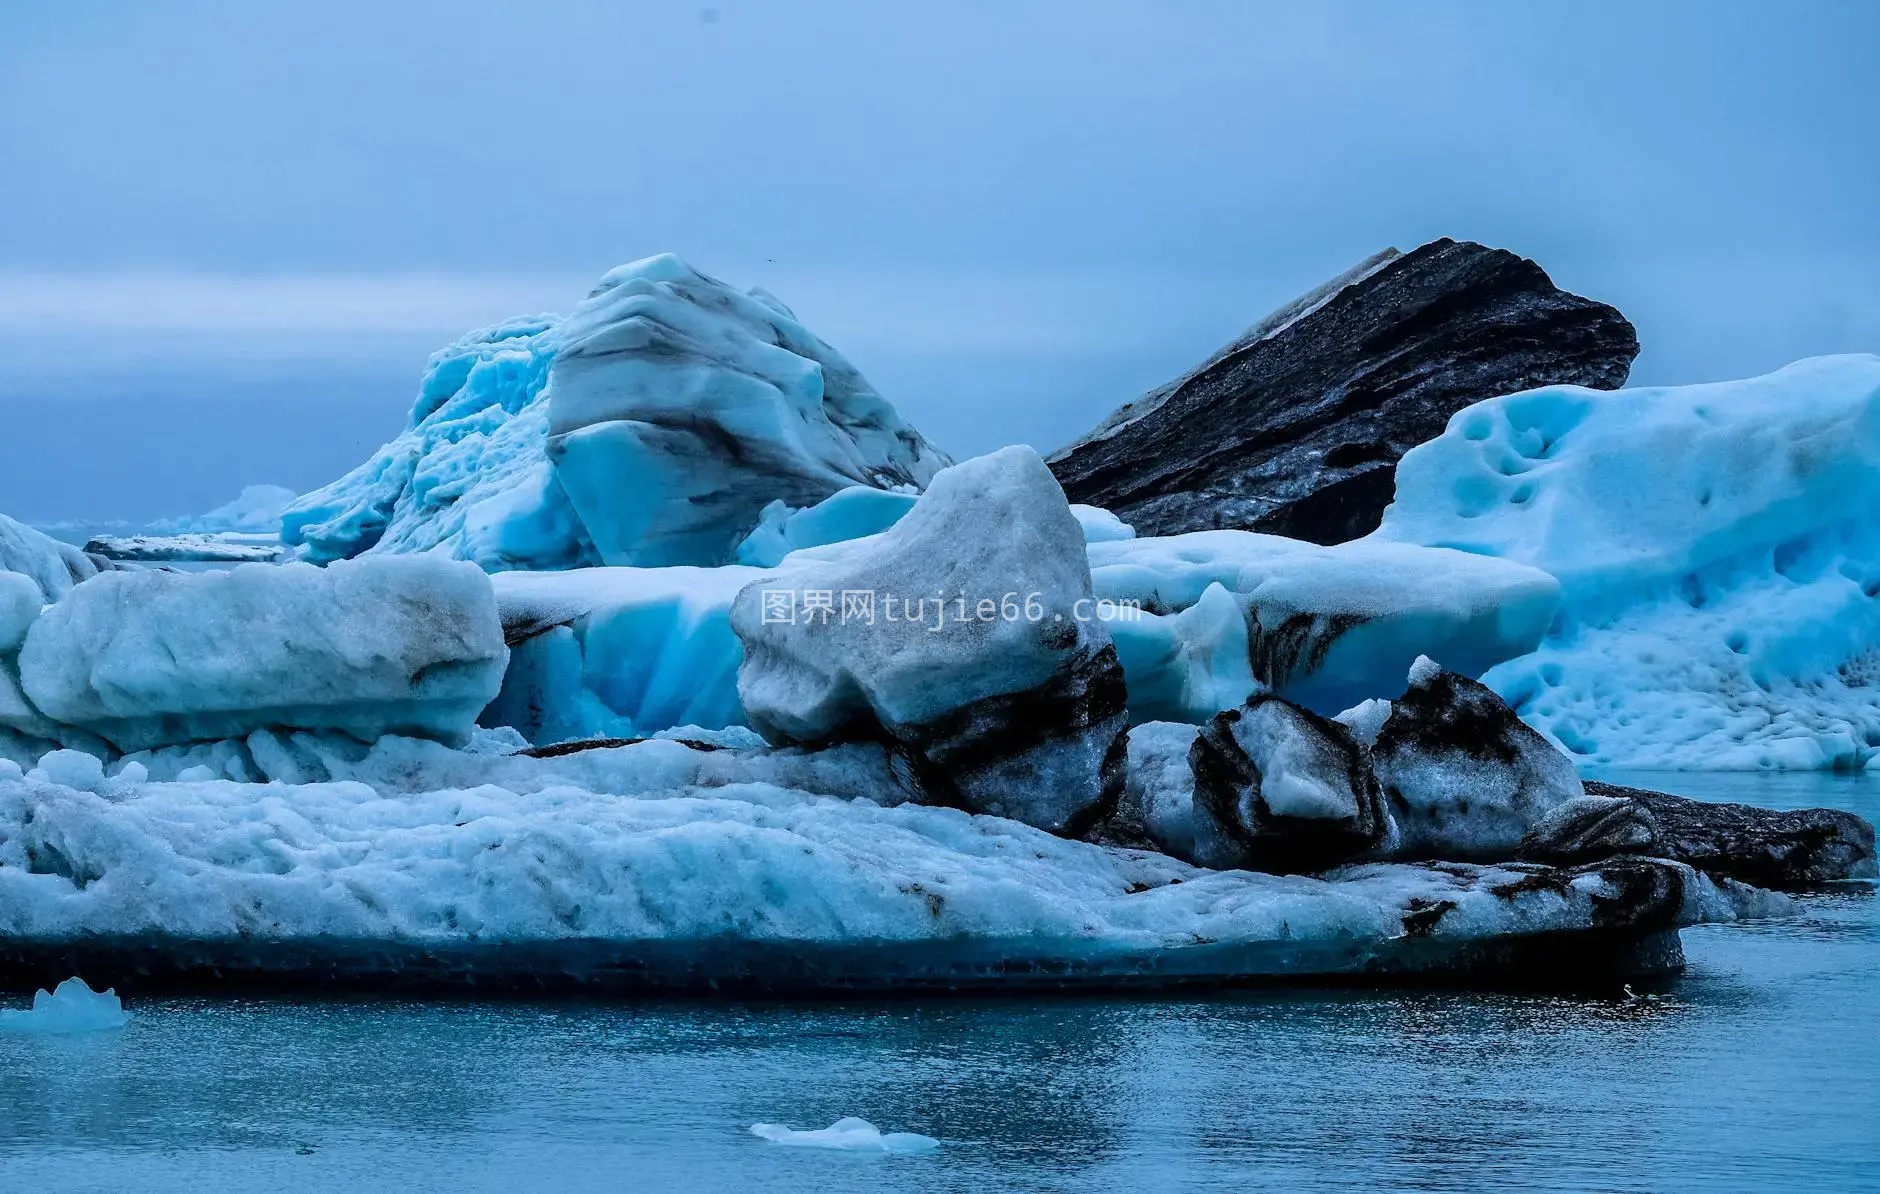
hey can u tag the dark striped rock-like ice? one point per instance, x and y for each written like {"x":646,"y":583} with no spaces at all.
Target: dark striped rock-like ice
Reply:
{"x":1295,"y":428}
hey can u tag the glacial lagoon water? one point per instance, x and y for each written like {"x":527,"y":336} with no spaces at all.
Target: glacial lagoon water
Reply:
{"x":1758,"y":1070}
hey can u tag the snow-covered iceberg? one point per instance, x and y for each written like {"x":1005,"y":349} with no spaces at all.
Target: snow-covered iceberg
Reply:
{"x":367,"y":647}
{"x":665,"y":866}
{"x":1718,"y":552}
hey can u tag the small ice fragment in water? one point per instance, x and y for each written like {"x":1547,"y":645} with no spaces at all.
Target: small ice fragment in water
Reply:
{"x":851,"y":1134}
{"x":197,"y":774}
{"x":71,"y":1007}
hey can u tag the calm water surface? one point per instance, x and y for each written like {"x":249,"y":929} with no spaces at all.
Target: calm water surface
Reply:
{"x":1760,"y":1070}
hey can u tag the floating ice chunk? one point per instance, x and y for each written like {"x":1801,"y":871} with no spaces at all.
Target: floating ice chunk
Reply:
{"x":197,"y":773}
{"x":368,"y":647}
{"x":73,"y":768}
{"x":132,"y":772}
{"x":71,"y":1007}
{"x":850,"y":1134}
{"x":1001,"y":686}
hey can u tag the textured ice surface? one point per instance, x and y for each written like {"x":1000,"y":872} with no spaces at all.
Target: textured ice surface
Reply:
{"x":1718,"y":552}
{"x":71,"y":1007}
{"x":850,"y":1134}
{"x":410,"y":645}
{"x":1324,"y":626}
{"x":679,"y":408}
{"x":467,"y":477}
{"x":412,"y":843}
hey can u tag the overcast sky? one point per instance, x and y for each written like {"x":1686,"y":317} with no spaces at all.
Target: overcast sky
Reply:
{"x":230,"y":233}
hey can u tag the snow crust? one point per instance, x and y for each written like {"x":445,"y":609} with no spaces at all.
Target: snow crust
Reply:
{"x":71,"y":1007}
{"x":1718,"y":552}
{"x":849,"y":1134}
{"x":367,"y":647}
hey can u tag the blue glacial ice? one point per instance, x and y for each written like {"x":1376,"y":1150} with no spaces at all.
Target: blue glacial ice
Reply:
{"x":468,"y":476}
{"x":53,"y":566}
{"x":679,"y":408}
{"x":1717,"y":551}
{"x":1226,"y":613}
{"x":71,"y":1007}
{"x":618,"y":652}
{"x":652,"y":426}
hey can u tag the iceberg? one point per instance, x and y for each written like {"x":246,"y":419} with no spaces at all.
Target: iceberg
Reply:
{"x":679,"y":408}
{"x":849,"y":1134}
{"x":1718,"y":557}
{"x":368,"y":647}
{"x":667,"y":866}
{"x":71,"y":1007}
{"x":661,"y":423}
